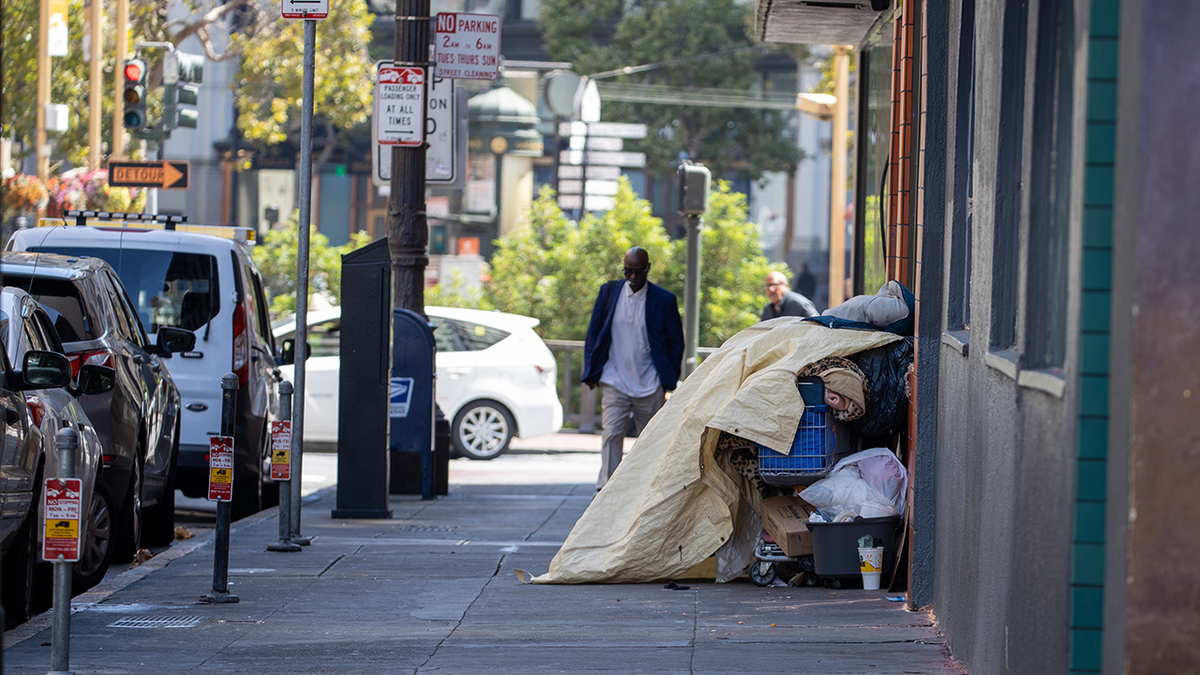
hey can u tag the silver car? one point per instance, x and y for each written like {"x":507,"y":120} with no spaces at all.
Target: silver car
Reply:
{"x":25,"y":326}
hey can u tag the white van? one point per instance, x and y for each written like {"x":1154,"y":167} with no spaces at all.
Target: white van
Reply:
{"x":191,"y":278}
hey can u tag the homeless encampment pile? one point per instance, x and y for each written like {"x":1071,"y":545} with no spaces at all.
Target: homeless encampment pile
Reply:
{"x":674,"y":501}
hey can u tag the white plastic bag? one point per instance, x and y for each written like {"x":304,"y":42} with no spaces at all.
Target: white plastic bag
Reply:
{"x":871,"y":483}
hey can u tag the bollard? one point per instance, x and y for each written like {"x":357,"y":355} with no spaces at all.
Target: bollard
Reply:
{"x":285,"y":489}
{"x":65,"y":441}
{"x":220,"y":586}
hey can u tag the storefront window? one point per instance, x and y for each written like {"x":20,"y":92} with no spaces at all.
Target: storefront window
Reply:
{"x":874,"y":148}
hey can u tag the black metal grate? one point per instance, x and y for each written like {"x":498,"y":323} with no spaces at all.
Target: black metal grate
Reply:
{"x":157,"y":622}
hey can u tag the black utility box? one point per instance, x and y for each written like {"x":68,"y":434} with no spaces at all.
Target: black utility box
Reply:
{"x":835,"y":546}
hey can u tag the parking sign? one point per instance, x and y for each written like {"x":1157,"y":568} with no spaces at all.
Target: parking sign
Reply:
{"x":220,"y":468}
{"x":63,"y":506}
{"x":400,"y":105}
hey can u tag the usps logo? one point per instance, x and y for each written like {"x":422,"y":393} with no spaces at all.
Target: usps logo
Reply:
{"x":401,"y":396}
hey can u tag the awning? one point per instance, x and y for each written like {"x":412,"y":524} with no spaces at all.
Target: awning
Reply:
{"x":830,"y":22}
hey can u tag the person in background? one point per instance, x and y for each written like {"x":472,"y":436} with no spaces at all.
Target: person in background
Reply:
{"x":805,"y":283}
{"x":634,"y":347}
{"x":783,"y":301}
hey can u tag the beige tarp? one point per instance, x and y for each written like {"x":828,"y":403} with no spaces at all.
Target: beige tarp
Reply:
{"x":668,"y":507}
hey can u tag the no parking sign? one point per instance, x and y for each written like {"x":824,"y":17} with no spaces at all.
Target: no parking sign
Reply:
{"x":62,"y":502}
{"x":220,"y":469}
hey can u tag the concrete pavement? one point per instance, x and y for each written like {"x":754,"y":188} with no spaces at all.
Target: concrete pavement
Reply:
{"x":432,"y":590}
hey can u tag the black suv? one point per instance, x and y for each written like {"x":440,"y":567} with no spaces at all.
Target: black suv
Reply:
{"x":138,"y":420}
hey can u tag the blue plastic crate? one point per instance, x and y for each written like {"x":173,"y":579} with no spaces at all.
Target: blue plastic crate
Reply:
{"x":813,"y":449}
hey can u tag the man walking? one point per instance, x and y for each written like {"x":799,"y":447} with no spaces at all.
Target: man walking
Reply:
{"x":782,"y":301}
{"x":634,"y":348}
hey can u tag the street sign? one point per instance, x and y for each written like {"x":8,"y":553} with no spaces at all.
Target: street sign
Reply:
{"x":220,"y":468}
{"x":577,"y":172}
{"x":305,"y":9}
{"x":400,"y":105}
{"x":281,"y":450}
{"x":165,"y":174}
{"x":589,"y":203}
{"x":445,"y":133}
{"x":468,"y":45}
{"x":610,"y":129}
{"x":634,"y":159}
{"x":63,"y":506}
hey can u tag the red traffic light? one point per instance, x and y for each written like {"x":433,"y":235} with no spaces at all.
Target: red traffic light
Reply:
{"x":134,"y":70}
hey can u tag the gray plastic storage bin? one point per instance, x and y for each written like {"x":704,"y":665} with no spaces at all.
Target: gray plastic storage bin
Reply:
{"x":835,"y":546}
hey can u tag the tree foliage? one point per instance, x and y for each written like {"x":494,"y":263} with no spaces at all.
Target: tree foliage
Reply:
{"x":277,"y":257}
{"x":551,"y":268}
{"x":269,"y":86}
{"x":702,"y":44}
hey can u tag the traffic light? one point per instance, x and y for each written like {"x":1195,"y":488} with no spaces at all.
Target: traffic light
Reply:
{"x":180,"y":70}
{"x":694,"y":183}
{"x":134,"y":94}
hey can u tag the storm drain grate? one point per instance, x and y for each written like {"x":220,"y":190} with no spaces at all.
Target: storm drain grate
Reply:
{"x":157,"y":622}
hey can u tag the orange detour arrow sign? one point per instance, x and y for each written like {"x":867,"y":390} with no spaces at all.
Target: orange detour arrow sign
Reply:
{"x":166,"y":174}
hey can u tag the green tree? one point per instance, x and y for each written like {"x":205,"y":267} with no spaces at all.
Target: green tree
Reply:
{"x":268,"y":88}
{"x":551,"y":268}
{"x":276,"y":257}
{"x":702,"y":44}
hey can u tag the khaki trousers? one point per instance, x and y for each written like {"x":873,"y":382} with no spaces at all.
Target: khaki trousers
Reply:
{"x":616,"y":408}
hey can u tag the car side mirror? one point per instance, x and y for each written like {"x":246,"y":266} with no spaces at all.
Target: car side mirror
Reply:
{"x":287,"y":352}
{"x":44,"y":370}
{"x":173,"y":340}
{"x":95,"y":379}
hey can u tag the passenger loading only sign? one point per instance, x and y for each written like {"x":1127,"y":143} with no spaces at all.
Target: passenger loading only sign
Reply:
{"x":468,"y":46}
{"x":400,"y":105}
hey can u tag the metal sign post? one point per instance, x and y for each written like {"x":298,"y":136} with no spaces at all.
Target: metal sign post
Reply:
{"x":306,"y":115}
{"x":281,"y":467}
{"x":63,"y":510}
{"x":220,"y":490}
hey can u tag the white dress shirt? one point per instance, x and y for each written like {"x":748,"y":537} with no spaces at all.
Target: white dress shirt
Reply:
{"x":629,"y":368}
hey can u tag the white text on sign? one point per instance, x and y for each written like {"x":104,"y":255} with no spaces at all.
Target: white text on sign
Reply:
{"x":281,"y":450}
{"x":400,"y":106}
{"x":468,"y":46}
{"x":220,"y":468}
{"x":63,"y":506}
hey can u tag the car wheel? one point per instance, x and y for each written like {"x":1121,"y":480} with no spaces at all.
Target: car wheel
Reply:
{"x":128,"y":536}
{"x":97,"y":550}
{"x":482,"y":430}
{"x":158,"y":527}
{"x":20,"y":564}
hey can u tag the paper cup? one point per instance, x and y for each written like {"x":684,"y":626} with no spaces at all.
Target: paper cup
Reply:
{"x":870,"y":564}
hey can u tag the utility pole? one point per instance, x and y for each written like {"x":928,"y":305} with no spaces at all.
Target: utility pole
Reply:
{"x":42,"y":151}
{"x":837,"y":197}
{"x":408,"y":230}
{"x":118,"y":124}
{"x":97,"y":85}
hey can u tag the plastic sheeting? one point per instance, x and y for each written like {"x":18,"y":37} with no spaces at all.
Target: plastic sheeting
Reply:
{"x":668,"y":506}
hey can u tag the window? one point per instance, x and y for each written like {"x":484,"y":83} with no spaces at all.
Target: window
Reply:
{"x":476,"y":337}
{"x":123,"y":308}
{"x":1049,"y":199}
{"x":958,"y":305}
{"x":168,"y":288}
{"x":443,"y":336}
{"x":875,"y":109}
{"x":325,"y":339}
{"x":1007,"y":216}
{"x":63,"y":304}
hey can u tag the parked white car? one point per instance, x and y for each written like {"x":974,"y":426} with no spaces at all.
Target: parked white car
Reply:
{"x":495,"y":378}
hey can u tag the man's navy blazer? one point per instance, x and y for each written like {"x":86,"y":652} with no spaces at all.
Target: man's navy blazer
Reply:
{"x":663,"y":328}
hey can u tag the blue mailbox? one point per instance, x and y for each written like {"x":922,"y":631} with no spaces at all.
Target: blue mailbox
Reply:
{"x":410,"y":399}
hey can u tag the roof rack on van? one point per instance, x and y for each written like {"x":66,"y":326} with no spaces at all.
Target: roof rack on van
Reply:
{"x":147,"y":221}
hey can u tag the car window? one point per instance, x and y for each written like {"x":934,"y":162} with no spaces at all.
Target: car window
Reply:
{"x":33,"y":340}
{"x":325,"y":339}
{"x":475,"y":336}
{"x":167,"y":288}
{"x":264,"y":319}
{"x":130,"y":327}
{"x":443,"y":336}
{"x":4,"y":330}
{"x":66,"y":309}
{"x":46,"y":329}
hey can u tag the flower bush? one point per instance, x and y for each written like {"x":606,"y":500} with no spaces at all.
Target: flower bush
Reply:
{"x":23,"y":193}
{"x":82,"y":189}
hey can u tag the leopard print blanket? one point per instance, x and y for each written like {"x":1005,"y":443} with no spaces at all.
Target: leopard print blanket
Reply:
{"x":854,"y":411}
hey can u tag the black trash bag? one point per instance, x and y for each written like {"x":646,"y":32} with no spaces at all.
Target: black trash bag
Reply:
{"x":886,"y":369}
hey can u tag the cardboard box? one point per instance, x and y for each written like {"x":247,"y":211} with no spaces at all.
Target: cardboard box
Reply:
{"x":784,"y":518}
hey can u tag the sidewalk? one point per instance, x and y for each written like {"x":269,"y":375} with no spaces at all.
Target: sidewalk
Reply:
{"x":432,"y":590}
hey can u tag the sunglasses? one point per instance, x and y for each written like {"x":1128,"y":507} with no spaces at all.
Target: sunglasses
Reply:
{"x":636,"y":271}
